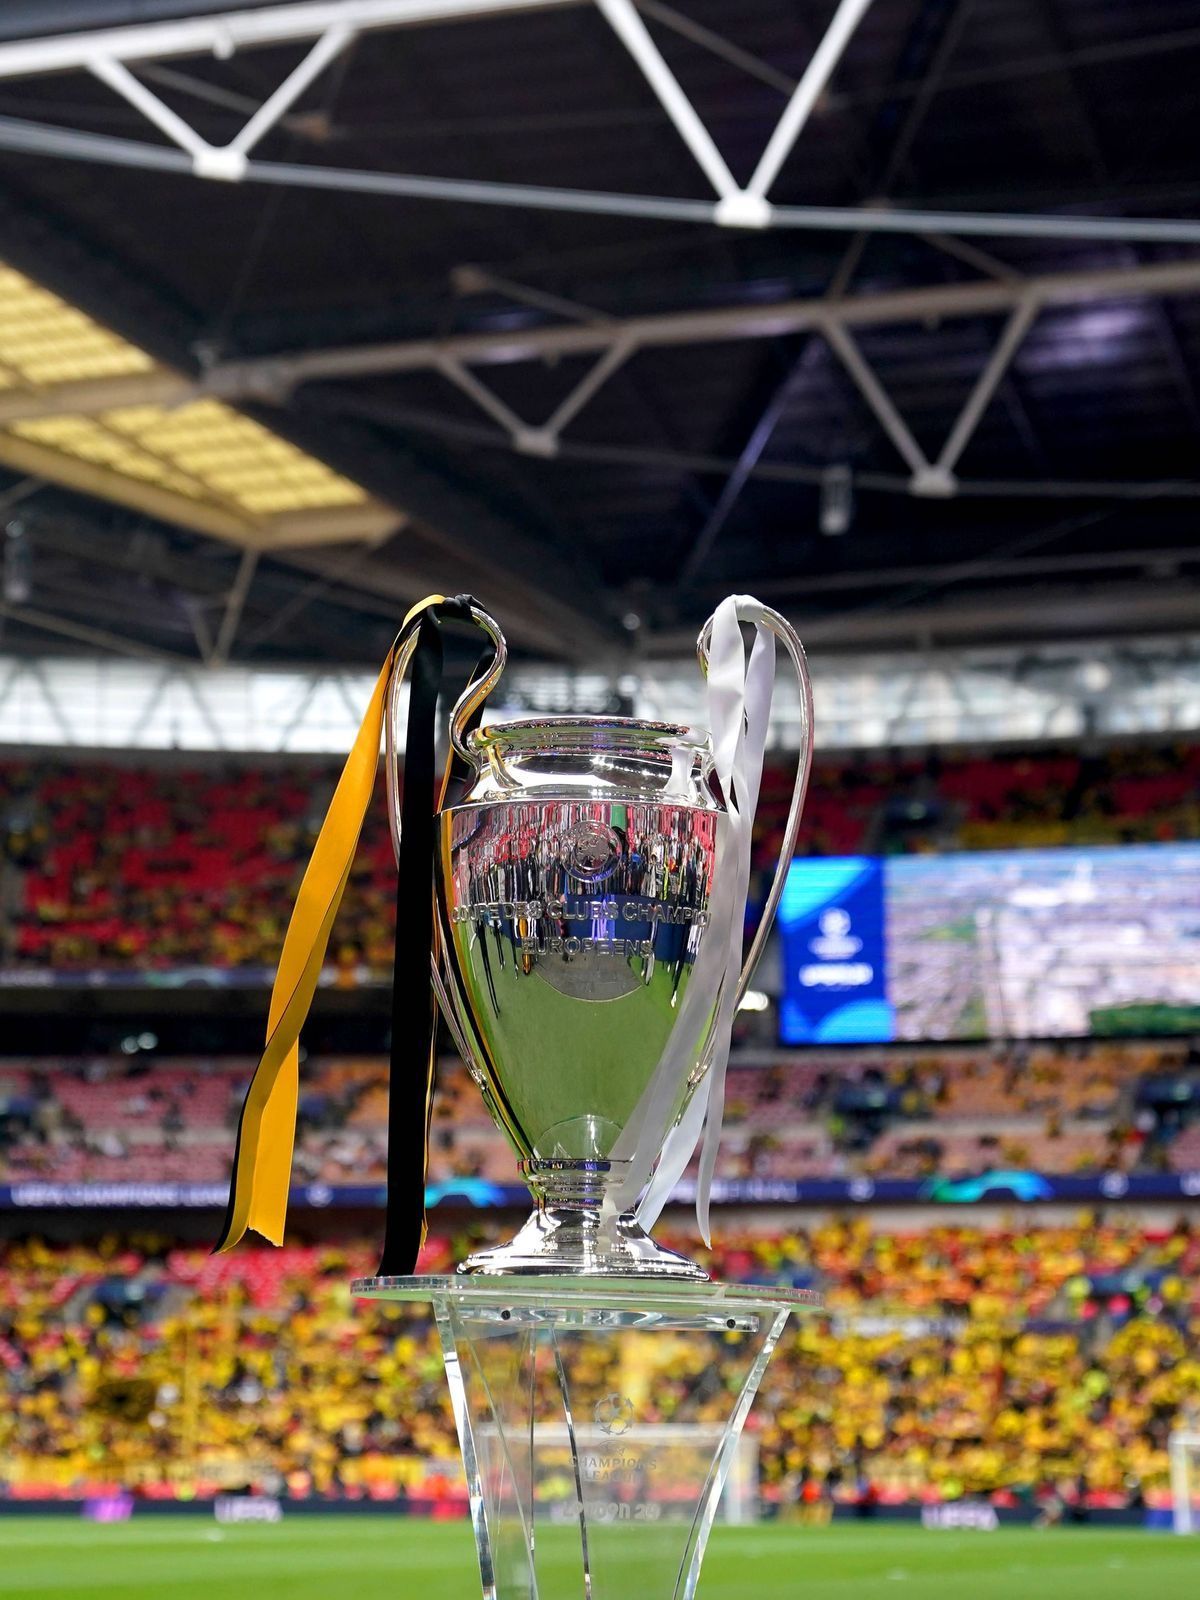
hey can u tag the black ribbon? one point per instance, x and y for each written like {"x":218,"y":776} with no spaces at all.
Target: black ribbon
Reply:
{"x":414,"y":1010}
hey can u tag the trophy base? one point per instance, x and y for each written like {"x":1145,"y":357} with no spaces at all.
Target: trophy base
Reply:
{"x":582,"y":1245}
{"x":600,"y":1424}
{"x":575,"y":1233}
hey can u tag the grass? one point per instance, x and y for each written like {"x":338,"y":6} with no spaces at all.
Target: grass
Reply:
{"x":375,"y":1558}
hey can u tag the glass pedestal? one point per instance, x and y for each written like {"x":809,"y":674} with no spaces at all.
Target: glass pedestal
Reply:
{"x":599,"y":1421}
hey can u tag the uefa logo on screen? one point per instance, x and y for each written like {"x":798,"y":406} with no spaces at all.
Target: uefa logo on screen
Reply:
{"x":835,"y":942}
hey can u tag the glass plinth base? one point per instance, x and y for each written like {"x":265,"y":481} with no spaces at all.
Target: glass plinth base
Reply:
{"x":599,"y":1421}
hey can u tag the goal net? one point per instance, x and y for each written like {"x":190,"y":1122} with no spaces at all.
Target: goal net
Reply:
{"x":1184,"y":1453}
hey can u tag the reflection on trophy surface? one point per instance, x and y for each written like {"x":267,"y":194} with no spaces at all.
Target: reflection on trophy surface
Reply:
{"x":572,"y":926}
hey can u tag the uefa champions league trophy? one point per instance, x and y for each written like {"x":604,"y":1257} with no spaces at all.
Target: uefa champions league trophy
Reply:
{"x":590,"y":888}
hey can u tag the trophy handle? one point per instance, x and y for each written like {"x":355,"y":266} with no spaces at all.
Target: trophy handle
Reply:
{"x":478,"y":689}
{"x":752,"y":611}
{"x":473,"y":696}
{"x":467,"y":703}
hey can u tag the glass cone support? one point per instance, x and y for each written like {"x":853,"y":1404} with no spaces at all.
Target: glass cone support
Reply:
{"x":599,"y":1421}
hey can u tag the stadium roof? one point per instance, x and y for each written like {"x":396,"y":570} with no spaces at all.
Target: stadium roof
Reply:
{"x":599,"y":311}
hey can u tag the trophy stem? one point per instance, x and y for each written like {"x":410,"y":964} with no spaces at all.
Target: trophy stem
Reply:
{"x":572,"y":1185}
{"x":572,"y":1231}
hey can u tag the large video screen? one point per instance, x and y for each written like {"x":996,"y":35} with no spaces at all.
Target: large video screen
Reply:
{"x":1022,"y":944}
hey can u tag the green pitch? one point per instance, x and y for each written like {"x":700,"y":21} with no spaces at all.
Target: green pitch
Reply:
{"x":378,"y":1559}
{"x":353,"y":1558}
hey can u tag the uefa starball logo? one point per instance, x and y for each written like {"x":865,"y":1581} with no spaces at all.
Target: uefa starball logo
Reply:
{"x":835,"y":948}
{"x":835,"y":942}
{"x":613,"y":1414}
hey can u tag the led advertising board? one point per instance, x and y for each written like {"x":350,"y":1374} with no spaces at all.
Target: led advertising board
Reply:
{"x":1023,"y":944}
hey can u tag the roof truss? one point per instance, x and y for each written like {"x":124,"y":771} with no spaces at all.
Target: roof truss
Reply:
{"x":113,"y":54}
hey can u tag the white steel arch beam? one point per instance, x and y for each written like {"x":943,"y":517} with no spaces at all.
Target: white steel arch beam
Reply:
{"x":49,"y":140}
{"x":222,"y":161}
{"x":223,"y":33}
{"x":737,"y":206}
{"x":622,"y":17}
{"x":109,"y":53}
{"x":799,"y":108}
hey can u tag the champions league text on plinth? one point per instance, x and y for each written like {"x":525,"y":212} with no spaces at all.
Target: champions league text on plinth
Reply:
{"x":589,"y":882}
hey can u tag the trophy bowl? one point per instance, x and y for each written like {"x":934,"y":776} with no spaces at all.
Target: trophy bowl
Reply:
{"x":574,"y":880}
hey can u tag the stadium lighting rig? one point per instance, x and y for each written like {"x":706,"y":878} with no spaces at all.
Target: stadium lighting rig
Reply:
{"x":837,"y":501}
{"x":18,"y":563}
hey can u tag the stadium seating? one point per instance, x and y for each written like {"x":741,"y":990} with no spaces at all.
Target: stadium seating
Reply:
{"x":947,"y":1362}
{"x":144,"y":868}
{"x":156,"y":869}
{"x":908,"y":1113}
{"x":989,"y":802}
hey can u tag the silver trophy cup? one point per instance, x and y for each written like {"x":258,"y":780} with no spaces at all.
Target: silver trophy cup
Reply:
{"x":574,"y":884}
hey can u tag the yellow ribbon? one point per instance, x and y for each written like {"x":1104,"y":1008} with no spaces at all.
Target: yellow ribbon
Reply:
{"x":267,"y":1132}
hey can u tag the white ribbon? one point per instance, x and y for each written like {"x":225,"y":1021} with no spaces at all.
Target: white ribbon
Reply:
{"x":739,"y":709}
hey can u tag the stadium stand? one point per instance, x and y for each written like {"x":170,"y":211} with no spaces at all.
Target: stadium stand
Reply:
{"x":1097,"y":1107}
{"x":1015,"y":1362}
{"x":947,"y":801}
{"x":107,"y":866}
{"x":948,"y":1362}
{"x":151,"y":869}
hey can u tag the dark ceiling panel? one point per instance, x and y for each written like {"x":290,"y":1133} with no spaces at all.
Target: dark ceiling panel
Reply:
{"x":1017,"y":105}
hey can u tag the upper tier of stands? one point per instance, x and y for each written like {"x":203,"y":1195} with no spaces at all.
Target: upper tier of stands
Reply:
{"x":1119,"y":1106}
{"x":155,"y":869}
{"x":1020,"y":799}
{"x":115,"y":867}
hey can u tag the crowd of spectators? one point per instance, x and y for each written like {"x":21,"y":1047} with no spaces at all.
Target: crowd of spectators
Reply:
{"x":1105,"y":1106}
{"x":1051,"y":1361}
{"x":950,"y":1362}
{"x":142,"y":868}
{"x":893,"y":803}
{"x":161,"y":869}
